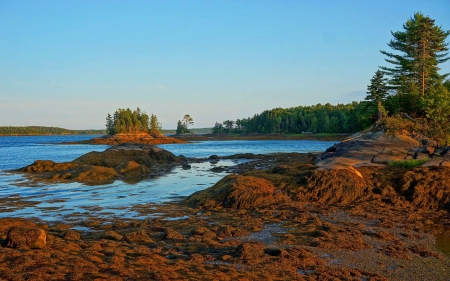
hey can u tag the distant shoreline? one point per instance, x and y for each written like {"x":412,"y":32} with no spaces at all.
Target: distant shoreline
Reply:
{"x":221,"y":137}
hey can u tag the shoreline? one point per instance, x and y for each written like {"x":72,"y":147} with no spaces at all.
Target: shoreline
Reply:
{"x":292,"y":217}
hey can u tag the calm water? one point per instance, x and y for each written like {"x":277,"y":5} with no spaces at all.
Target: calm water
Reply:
{"x":75,"y":200}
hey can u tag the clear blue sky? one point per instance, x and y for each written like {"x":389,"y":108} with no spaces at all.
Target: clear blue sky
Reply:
{"x":69,"y":63}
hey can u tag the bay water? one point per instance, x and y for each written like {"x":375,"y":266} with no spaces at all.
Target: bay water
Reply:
{"x":20,"y":197}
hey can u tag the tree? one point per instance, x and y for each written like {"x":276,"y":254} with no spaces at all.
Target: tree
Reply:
{"x":155,"y":126}
{"x":187,"y":120}
{"x":180,"y":127}
{"x":377,"y":92}
{"x":127,"y":121}
{"x":109,"y":125}
{"x":437,"y":108}
{"x":423,"y":48}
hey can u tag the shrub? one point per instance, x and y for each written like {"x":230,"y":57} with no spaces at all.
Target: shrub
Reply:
{"x":407,"y":163}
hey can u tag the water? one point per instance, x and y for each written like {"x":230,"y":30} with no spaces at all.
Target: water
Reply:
{"x":223,"y":148}
{"x":21,"y":198}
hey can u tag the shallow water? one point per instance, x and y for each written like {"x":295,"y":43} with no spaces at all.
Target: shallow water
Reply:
{"x":21,"y":198}
{"x":224,"y":148}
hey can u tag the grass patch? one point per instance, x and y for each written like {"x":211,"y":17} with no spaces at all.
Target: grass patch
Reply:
{"x":408,"y":163}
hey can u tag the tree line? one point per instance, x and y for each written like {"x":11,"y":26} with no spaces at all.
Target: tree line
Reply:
{"x":131,"y":122}
{"x":409,"y":94}
{"x":341,"y":118}
{"x":42,"y":130}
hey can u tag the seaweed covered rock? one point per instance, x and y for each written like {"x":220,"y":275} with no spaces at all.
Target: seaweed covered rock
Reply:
{"x":338,"y":185}
{"x":47,"y":166}
{"x":426,"y":187}
{"x":128,"y":160}
{"x":236,"y":191}
{"x":19,"y":237}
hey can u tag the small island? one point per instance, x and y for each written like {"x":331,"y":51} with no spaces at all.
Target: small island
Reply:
{"x":126,"y":126}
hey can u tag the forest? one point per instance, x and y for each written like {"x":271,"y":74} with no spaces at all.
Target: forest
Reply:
{"x":41,"y":130}
{"x":407,"y":95}
{"x":341,"y":118}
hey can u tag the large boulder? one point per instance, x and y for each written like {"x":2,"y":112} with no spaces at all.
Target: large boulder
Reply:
{"x":19,"y":237}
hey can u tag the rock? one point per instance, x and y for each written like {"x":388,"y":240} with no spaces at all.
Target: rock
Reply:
{"x":238,"y":192}
{"x":169,"y":233}
{"x":137,"y":237}
{"x":133,"y":169}
{"x":203,"y":232}
{"x":47,"y":166}
{"x":95,"y":174}
{"x":251,"y":250}
{"x":112,"y":235}
{"x":427,"y":149}
{"x":18,"y":237}
{"x":122,"y":161}
{"x":186,"y":167}
{"x":138,"y":138}
{"x":72,"y":235}
{"x":421,"y":156}
{"x":217,"y":170}
{"x":214,"y":157}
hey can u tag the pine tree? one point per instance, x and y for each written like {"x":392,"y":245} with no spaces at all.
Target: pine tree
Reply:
{"x":377,"y":91}
{"x":109,"y":125}
{"x":422,"y":46}
{"x":155,"y":126}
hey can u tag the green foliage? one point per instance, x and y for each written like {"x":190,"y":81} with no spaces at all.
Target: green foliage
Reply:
{"x":436,"y":106}
{"x":395,"y":124}
{"x":182,"y":126}
{"x":377,"y":92}
{"x":407,"y":163}
{"x":41,"y":130}
{"x":316,"y":119}
{"x":155,"y":126}
{"x":127,"y":121}
{"x":422,"y":47}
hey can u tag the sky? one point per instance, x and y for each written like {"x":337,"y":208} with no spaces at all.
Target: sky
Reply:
{"x":70,"y":63}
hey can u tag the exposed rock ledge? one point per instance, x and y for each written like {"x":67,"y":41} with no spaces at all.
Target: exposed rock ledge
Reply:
{"x":140,"y":138}
{"x":350,"y":172}
{"x":125,"y":161}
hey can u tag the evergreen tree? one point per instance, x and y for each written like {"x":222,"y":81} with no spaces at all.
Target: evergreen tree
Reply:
{"x":180,"y":127}
{"x":422,"y":46}
{"x":377,"y":92}
{"x":109,"y":124}
{"x":155,"y":126}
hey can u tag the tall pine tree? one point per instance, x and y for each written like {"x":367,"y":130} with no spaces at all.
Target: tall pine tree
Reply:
{"x":422,"y":48}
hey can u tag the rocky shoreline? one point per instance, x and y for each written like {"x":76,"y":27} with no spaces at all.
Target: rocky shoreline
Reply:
{"x":341,"y":215}
{"x":138,"y":138}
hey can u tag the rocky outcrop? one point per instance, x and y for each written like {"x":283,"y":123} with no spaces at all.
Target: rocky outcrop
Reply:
{"x":349,"y":172}
{"x":375,"y":148}
{"x":140,"y":138}
{"x":117,"y":162}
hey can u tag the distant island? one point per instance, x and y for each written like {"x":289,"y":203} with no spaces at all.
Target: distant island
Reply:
{"x":45,"y":131}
